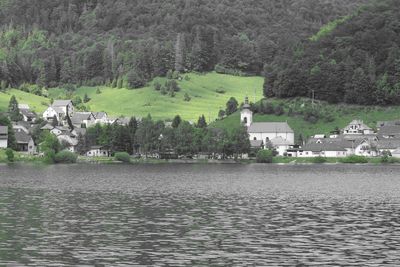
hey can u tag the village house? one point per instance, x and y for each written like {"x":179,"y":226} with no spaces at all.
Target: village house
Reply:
{"x":325,"y":149}
{"x":27,"y":114}
{"x":83,"y":119}
{"x":357,"y":127}
{"x":59,"y":109}
{"x":98,"y":151}
{"x":277,"y":134}
{"x":25,"y":142}
{"x":3,"y":136}
{"x":389,"y":132}
{"x":101,"y":117}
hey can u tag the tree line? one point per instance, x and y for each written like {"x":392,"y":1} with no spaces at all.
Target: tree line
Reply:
{"x":354,"y":60}
{"x":126,"y":43}
{"x":180,"y":138}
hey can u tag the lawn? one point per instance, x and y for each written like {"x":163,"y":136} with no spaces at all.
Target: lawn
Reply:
{"x":341,"y":116}
{"x":36,"y":103}
{"x":201,"y":89}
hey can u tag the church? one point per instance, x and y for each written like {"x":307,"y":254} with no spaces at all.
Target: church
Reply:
{"x":279,"y":135}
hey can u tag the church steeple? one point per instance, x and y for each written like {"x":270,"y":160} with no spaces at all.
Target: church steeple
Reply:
{"x":246,"y":115}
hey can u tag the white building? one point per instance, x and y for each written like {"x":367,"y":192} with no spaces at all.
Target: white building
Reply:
{"x":279,"y":134}
{"x":101,"y":117}
{"x":83,"y":119}
{"x":59,"y":110}
{"x":357,"y":127}
{"x":3,"y":136}
{"x":98,"y":151}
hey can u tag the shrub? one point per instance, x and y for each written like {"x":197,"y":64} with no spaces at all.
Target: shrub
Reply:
{"x":220,"y":90}
{"x":279,"y":110}
{"x":354,"y":159}
{"x":157,"y":86}
{"x":65,"y":157}
{"x":10,"y":155}
{"x":122,"y":156}
{"x":98,"y":91}
{"x":265,"y":156}
{"x":319,"y":160}
{"x":187,"y":98}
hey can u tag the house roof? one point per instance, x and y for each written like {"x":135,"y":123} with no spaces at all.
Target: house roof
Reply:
{"x":22,"y":137}
{"x":79,"y":117}
{"x":389,"y":130}
{"x":279,"y":141}
{"x":61,"y":103}
{"x":270,"y":127}
{"x":387,"y":123}
{"x":315,"y":147}
{"x":99,"y":115}
{"x":47,"y":127}
{"x":3,"y":129}
{"x":27,"y":113}
{"x":388,"y":143}
{"x":98,"y":147}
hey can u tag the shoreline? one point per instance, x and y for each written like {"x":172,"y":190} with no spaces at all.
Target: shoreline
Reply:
{"x":282,"y":161}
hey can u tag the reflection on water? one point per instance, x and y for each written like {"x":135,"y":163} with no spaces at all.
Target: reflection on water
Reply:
{"x":208,"y":215}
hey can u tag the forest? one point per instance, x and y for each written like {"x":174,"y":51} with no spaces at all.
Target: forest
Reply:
{"x":129,"y":42}
{"x":355,"y":60}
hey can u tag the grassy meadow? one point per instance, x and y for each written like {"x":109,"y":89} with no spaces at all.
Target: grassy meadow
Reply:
{"x":37,"y":103}
{"x":201,"y":88}
{"x":340,"y":114}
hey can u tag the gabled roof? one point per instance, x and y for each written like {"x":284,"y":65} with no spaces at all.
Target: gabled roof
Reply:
{"x":4,"y":130}
{"x":47,"y":127}
{"x":79,"y":117}
{"x":61,"y":103}
{"x":389,"y":130}
{"x":388,"y":143}
{"x":314,"y":147}
{"x":100,"y":115}
{"x":270,"y":127}
{"x":387,"y":123}
{"x":22,"y":137}
{"x":27,"y":113}
{"x":279,"y":141}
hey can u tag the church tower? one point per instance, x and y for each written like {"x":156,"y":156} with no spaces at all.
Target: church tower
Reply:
{"x":246,"y":115}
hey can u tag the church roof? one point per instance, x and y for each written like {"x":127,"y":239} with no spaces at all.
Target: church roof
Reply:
{"x":270,"y":127}
{"x":61,"y":103}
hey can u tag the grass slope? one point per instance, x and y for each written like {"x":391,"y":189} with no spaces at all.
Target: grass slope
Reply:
{"x":201,"y":88}
{"x":341,"y":116}
{"x":36,"y":103}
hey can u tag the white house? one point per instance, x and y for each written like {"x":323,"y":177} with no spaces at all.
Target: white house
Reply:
{"x":3,"y":136}
{"x":324,"y":147}
{"x":59,"y":109}
{"x":279,"y":134}
{"x":98,"y":151}
{"x":357,"y":127}
{"x":101,"y":117}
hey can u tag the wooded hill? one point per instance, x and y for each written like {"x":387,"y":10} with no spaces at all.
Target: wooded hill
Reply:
{"x":97,"y":42}
{"x":355,"y":60}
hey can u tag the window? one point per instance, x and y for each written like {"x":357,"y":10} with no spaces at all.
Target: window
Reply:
{"x":245,"y":120}
{"x":255,"y":139}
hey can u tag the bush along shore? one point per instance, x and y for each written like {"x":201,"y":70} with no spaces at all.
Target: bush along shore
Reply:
{"x":65,"y":157}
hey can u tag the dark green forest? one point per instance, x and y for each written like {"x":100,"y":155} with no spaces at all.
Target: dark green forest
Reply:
{"x":97,"y":42}
{"x":355,"y":60}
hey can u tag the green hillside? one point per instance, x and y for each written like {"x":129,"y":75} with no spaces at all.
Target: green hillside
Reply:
{"x":331,"y":116}
{"x":201,"y":89}
{"x":37,"y":103}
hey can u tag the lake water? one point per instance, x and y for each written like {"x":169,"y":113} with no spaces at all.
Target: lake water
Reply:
{"x":199,"y":215}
